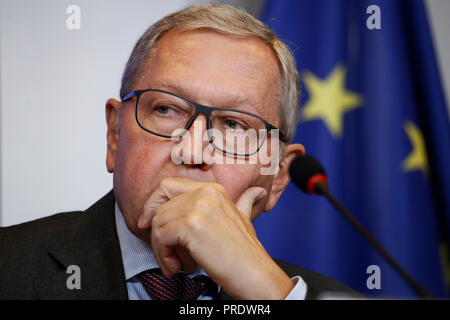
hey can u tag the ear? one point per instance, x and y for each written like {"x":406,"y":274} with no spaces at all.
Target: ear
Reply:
{"x":281,"y":178}
{"x":112,"y":110}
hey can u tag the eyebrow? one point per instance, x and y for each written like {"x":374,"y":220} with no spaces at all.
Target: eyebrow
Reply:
{"x":232,"y":99}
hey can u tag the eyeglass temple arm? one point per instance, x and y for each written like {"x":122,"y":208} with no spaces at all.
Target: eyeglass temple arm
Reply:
{"x":281,"y":136}
{"x":130,"y":95}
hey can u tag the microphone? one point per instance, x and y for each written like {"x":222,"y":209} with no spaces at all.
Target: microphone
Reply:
{"x":308,"y":174}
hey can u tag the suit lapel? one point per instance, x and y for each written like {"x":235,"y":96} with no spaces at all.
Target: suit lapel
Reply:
{"x":92,"y":245}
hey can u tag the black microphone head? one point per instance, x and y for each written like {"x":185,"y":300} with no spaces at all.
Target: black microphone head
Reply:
{"x":303,"y":170}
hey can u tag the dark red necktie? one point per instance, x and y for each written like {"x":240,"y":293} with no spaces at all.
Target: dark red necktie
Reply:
{"x":179,"y":287}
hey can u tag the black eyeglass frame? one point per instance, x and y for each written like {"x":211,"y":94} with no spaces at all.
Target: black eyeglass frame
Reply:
{"x":206,"y":110}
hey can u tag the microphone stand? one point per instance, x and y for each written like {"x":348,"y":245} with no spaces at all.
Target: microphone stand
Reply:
{"x":321,"y":188}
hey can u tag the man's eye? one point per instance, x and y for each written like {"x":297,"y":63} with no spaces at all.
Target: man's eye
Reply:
{"x":163,"y":109}
{"x":233,"y":124}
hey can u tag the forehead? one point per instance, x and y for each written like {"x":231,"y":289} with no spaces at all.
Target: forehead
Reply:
{"x":217,"y":70}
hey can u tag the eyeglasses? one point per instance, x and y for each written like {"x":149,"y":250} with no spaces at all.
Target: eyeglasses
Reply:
{"x":231,"y":131}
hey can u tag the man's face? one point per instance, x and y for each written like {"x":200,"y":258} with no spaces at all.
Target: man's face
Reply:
{"x":211,"y":69}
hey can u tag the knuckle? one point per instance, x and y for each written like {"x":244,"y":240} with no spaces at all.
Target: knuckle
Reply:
{"x":195,"y":221}
{"x":156,"y":218}
{"x":158,"y":235}
{"x":203,"y":203}
{"x":213,"y":189}
{"x":219,"y":188}
{"x":164,"y":183}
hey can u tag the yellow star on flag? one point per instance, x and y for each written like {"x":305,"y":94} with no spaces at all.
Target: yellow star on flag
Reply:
{"x":417,"y":158}
{"x":329,"y":100}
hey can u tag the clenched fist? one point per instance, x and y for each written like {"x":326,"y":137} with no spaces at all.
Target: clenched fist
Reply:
{"x":196,"y":224}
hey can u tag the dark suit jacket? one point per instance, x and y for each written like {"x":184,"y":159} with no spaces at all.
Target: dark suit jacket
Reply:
{"x":34,"y":257}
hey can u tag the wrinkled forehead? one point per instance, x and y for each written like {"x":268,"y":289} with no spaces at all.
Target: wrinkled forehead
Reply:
{"x":216,"y":69}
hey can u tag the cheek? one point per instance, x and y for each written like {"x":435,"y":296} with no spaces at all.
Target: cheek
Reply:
{"x":237,"y":178}
{"x":141,"y":153}
{"x":136,"y":171}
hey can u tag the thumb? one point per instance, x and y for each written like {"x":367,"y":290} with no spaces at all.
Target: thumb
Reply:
{"x":249,"y":198}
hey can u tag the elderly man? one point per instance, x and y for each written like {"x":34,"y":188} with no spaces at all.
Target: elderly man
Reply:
{"x":178,"y":225}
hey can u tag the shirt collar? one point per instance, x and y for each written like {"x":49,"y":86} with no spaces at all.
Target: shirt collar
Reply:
{"x":137,"y":256}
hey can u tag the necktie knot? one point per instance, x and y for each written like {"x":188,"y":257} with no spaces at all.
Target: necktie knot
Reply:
{"x":178,"y":287}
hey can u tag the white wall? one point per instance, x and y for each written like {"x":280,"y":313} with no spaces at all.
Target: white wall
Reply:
{"x":54,"y":83}
{"x":53,"y":86}
{"x":438,"y":15}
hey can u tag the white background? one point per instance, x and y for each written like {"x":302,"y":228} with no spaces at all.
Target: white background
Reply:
{"x":54,"y":83}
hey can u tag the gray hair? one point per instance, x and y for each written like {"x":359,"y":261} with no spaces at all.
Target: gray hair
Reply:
{"x":230,"y":21}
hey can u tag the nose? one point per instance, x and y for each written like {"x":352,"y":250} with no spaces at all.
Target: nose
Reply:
{"x":194,"y":142}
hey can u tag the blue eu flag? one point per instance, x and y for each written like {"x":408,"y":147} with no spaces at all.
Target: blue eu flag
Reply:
{"x":373,"y":112}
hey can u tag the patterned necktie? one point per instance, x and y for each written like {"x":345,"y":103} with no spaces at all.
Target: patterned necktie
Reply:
{"x":179,"y":287}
